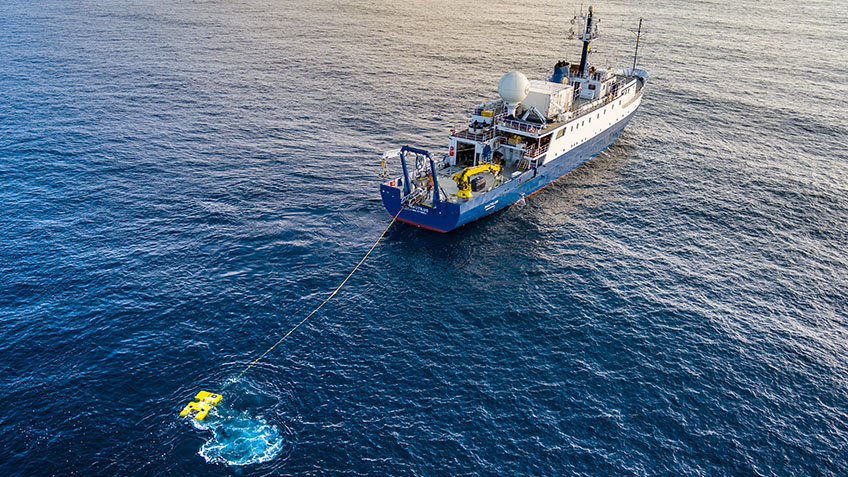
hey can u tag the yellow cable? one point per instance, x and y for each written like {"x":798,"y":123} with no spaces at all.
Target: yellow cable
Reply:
{"x":325,"y":301}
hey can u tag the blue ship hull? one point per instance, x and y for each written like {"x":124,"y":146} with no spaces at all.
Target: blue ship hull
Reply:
{"x":447,"y":216}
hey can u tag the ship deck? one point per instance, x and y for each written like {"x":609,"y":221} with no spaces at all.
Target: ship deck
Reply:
{"x":580,"y":107}
{"x":449,"y":187}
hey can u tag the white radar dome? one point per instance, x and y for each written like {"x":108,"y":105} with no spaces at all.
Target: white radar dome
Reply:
{"x":513,"y":88}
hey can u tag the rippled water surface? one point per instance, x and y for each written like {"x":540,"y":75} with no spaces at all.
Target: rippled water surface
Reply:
{"x":182,"y":182}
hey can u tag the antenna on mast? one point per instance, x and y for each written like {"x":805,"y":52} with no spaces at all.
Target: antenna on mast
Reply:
{"x":587,"y":31}
{"x":638,"y":38}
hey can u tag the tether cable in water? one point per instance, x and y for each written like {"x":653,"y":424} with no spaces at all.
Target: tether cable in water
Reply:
{"x":323,"y":302}
{"x":206,"y":400}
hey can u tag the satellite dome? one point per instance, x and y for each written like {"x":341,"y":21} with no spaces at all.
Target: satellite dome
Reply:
{"x":513,"y":87}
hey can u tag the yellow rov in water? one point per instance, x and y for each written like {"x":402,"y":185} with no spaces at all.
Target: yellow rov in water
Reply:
{"x":462,"y":178}
{"x":200,"y":409}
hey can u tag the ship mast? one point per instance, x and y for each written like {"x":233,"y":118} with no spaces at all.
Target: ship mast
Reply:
{"x":638,"y":37}
{"x":587,"y":35}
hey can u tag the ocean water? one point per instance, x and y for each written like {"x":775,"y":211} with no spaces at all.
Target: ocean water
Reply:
{"x":182,"y":182}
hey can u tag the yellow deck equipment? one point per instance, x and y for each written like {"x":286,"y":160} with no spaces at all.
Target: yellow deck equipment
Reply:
{"x":462,"y":177}
{"x":200,"y":408}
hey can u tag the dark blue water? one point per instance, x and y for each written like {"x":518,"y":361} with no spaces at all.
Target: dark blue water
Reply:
{"x":182,"y":182}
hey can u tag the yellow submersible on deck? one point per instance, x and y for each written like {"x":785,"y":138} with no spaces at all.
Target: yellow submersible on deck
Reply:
{"x":200,"y":408}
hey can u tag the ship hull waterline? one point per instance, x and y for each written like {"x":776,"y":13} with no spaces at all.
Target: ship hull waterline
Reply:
{"x":447,"y":216}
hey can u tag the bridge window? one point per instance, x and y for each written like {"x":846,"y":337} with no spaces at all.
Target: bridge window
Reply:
{"x":560,"y":133}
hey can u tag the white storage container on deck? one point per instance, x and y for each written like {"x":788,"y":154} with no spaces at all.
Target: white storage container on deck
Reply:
{"x":549,"y":98}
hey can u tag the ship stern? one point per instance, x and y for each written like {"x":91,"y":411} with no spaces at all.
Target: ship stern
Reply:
{"x":439,"y":217}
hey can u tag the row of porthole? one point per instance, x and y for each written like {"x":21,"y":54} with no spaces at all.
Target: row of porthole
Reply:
{"x":590,"y":120}
{"x":583,"y":123}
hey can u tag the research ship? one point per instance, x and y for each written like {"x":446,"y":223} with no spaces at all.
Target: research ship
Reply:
{"x":537,"y":132}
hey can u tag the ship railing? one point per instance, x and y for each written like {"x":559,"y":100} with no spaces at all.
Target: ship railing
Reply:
{"x":483,"y":136}
{"x":589,"y":107}
{"x":523,"y":126}
{"x":599,"y":103}
{"x":534,"y":152}
{"x":479,"y":109}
